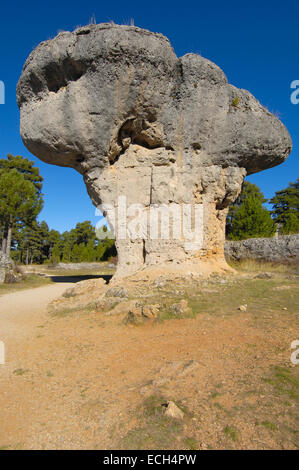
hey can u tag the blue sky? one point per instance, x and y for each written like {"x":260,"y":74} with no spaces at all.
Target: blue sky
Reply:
{"x":254,"y":42}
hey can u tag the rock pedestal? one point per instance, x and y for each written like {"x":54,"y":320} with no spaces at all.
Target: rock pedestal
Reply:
{"x":148,"y":128}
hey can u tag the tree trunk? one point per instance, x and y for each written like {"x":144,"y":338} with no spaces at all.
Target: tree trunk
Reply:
{"x":3,"y":248}
{"x":9,"y":233}
{"x":4,"y":241}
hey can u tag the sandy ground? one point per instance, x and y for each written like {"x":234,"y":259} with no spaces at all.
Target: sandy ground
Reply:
{"x":82,"y":380}
{"x":21,"y":311}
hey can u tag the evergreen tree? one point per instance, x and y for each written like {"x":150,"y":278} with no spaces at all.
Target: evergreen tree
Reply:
{"x":248,"y":189}
{"x":286,"y":208}
{"x":19,"y":204}
{"x":55,"y":254}
{"x":76,"y":254}
{"x":66,"y":253}
{"x":29,"y":244}
{"x":99,"y":251}
{"x":25,"y":168}
{"x":251,"y":220}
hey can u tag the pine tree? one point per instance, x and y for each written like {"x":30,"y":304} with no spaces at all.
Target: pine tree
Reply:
{"x":18,"y":204}
{"x":30,"y":174}
{"x":55,"y":255}
{"x":66,"y":253}
{"x":286,"y":208}
{"x":251,"y":220}
{"x":76,"y":254}
{"x":25,"y":167}
{"x":248,"y":189}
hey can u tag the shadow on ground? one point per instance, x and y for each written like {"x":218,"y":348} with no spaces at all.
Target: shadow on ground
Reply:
{"x":78,"y":278}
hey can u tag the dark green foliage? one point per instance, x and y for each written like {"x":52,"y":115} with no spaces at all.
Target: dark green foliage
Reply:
{"x":37,"y":244}
{"x":286,"y":208}
{"x":20,"y":197}
{"x":247,"y":218}
{"x":25,"y":167}
{"x":20,"y":203}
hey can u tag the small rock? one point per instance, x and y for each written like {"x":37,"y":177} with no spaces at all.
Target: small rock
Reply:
{"x":243,"y":308}
{"x":178,"y":292}
{"x":150,"y":311}
{"x":117,"y":292}
{"x":180,"y":308}
{"x":158,"y":283}
{"x":173,"y":411}
{"x":139,"y":312}
{"x":69,"y":293}
{"x":263,"y":276}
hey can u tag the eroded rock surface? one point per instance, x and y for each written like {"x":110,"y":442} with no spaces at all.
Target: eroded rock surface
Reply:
{"x":6,"y":266}
{"x":115,"y":103}
{"x":282,"y":249}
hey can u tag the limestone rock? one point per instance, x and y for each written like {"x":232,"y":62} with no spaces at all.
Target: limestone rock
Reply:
{"x":138,"y":313}
{"x":116,"y":103}
{"x":173,"y":411}
{"x":263,"y":276}
{"x":117,"y":292}
{"x":282,"y":249}
{"x":180,"y":308}
{"x":150,"y":311}
{"x":6,"y":268}
{"x":243,"y":308}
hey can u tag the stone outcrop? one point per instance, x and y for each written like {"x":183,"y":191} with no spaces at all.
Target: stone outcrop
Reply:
{"x":282,"y":249}
{"x":116,"y":103}
{"x":6,"y":266}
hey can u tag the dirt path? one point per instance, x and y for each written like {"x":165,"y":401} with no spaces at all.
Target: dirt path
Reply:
{"x":84,"y":380}
{"x":21,"y":311}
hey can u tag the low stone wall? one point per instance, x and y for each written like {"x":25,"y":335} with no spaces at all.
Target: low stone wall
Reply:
{"x":283,"y":249}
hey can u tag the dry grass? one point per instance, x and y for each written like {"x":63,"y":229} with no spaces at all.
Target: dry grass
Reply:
{"x":30,"y":281}
{"x":253,"y":266}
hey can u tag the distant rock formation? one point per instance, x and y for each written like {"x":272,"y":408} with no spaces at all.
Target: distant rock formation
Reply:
{"x":283,"y":249}
{"x":115,"y":103}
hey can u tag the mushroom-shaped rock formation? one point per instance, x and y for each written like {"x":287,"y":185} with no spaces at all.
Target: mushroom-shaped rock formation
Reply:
{"x":145,"y":127}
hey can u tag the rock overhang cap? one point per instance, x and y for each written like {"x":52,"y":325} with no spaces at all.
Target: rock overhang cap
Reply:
{"x":86,"y":95}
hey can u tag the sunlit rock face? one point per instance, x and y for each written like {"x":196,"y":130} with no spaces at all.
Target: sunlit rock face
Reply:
{"x":115,"y":103}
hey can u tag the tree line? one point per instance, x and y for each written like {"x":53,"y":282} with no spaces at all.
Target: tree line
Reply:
{"x":27,"y":240}
{"x":249,"y":218}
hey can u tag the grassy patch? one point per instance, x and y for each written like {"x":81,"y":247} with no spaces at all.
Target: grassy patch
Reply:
{"x":191,"y":443}
{"x":235,"y":102}
{"x":251,"y":265}
{"x":30,"y":281}
{"x":269,"y":425}
{"x":285,"y":382}
{"x":156,"y":430}
{"x":231,"y":432}
{"x":168,"y":313}
{"x":20,"y":371}
{"x":69,"y":311}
